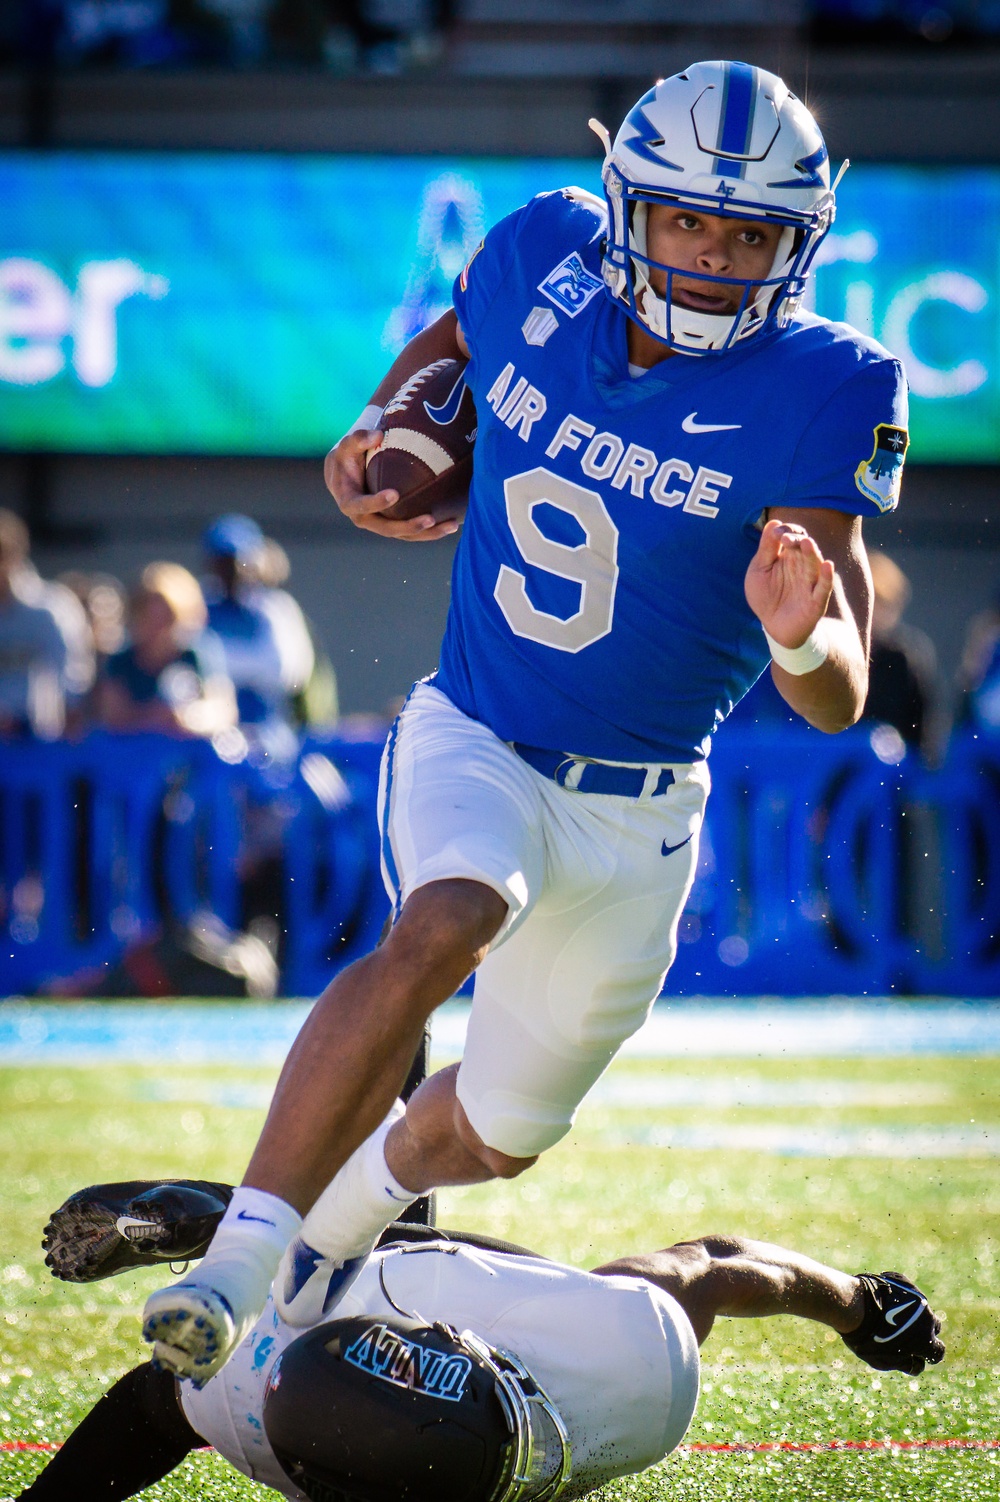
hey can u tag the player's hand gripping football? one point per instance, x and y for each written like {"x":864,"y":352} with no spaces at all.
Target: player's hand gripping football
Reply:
{"x":789,"y":583}
{"x":344,"y":472}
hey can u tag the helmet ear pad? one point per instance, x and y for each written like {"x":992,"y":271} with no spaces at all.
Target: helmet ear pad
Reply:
{"x":385,"y":1410}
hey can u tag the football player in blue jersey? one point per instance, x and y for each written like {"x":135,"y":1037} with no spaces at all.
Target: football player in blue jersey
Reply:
{"x":671,"y":471}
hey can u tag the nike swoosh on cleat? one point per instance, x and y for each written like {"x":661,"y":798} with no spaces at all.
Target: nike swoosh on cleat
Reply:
{"x":690,"y":426}
{"x":448,"y":410}
{"x":669,"y":849}
{"x":125,"y":1225}
{"x":893,"y":1315}
{"x":259,"y":1218}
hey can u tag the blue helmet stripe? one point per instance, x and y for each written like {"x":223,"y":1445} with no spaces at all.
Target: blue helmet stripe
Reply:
{"x":647,"y":141}
{"x":739,"y":99}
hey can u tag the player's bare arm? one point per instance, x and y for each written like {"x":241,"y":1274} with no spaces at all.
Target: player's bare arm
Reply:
{"x":883,"y":1318}
{"x":344,"y":469}
{"x":741,"y":1279}
{"x":810,"y":567}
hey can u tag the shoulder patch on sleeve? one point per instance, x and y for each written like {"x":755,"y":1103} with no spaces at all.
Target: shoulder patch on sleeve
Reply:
{"x":463,"y":279}
{"x":570,"y":285}
{"x":878,"y":478}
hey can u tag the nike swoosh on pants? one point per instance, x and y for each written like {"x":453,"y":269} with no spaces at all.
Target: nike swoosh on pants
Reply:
{"x":666,"y":849}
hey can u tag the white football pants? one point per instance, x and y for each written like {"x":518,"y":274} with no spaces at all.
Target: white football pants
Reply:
{"x":594,"y":885}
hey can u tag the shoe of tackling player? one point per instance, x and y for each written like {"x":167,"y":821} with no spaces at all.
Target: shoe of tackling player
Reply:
{"x":109,"y":1228}
{"x":899,"y":1331}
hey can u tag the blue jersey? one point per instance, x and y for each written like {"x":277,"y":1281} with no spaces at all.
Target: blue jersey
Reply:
{"x":597,"y":595}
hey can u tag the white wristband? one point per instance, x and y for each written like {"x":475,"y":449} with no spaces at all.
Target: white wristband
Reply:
{"x":805,"y":659}
{"x":368,"y":419}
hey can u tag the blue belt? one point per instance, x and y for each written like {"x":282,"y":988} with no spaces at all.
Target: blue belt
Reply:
{"x":596,"y":776}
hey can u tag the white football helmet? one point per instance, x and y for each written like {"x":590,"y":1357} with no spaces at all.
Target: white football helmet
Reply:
{"x":720,"y":138}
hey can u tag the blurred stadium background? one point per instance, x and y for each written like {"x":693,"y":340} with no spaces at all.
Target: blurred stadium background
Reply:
{"x":220,"y":219}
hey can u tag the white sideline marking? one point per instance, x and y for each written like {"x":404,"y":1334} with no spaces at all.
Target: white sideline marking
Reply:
{"x":75,"y":1033}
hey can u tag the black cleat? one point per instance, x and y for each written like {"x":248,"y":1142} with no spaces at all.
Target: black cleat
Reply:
{"x":899,"y":1331}
{"x":109,"y":1228}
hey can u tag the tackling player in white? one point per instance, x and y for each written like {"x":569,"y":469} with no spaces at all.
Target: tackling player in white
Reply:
{"x":454,"y":1370}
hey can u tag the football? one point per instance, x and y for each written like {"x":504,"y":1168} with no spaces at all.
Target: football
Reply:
{"x":426,"y":453}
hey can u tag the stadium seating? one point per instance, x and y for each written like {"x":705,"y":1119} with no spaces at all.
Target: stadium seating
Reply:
{"x":825,"y":867}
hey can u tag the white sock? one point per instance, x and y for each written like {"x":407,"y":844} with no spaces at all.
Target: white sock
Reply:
{"x":360,"y":1201}
{"x":246,"y":1249}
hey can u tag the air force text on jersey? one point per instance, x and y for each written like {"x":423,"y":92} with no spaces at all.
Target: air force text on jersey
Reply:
{"x":520,"y":405}
{"x":597,"y":604}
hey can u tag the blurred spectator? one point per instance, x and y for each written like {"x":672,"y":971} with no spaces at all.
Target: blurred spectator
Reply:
{"x":371,"y":36}
{"x":318,"y":702}
{"x":104,"y":602}
{"x":902,"y":675}
{"x":338,"y":33}
{"x":170,"y":677}
{"x":71,"y":619}
{"x":266,"y":644}
{"x":46,"y":659}
{"x":245,"y":25}
{"x":897,"y":23}
{"x":979,"y":673}
{"x":32,"y":649}
{"x":123,"y":34}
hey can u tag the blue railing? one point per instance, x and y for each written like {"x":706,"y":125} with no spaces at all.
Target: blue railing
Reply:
{"x":823,"y":869}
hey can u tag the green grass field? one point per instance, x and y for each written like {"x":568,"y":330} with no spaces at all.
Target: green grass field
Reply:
{"x":616,"y":1184}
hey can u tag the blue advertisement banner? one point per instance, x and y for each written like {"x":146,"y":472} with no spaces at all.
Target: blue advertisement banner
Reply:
{"x":198,"y":303}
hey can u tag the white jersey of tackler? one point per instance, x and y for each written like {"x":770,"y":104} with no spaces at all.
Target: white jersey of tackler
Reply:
{"x":617,"y":1356}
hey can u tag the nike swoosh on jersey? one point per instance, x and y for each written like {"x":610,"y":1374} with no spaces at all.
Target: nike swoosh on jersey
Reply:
{"x":448,"y":410}
{"x":690,"y":426}
{"x":666,"y":849}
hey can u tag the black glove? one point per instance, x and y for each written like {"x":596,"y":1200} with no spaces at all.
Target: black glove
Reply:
{"x":899,"y":1330}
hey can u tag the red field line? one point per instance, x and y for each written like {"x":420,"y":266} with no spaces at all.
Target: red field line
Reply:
{"x":767,"y":1446}
{"x":755,"y":1447}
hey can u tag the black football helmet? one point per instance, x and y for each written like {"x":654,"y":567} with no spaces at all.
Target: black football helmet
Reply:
{"x":395,"y":1410}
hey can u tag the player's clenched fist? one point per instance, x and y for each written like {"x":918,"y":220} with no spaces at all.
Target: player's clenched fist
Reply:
{"x":344,"y":470}
{"x":789,"y":583}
